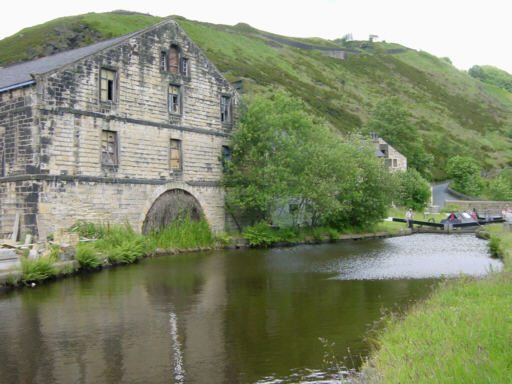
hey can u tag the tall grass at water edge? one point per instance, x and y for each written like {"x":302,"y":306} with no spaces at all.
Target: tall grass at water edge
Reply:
{"x":182,"y":233}
{"x":461,"y":334}
{"x":121,"y":244}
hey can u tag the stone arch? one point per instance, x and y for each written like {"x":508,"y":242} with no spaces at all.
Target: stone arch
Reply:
{"x":169,"y":206}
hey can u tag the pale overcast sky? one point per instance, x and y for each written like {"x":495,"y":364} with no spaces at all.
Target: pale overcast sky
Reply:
{"x":468,"y":32}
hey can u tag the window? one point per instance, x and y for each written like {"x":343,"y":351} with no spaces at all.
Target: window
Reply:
{"x":163,"y":61}
{"x":174,"y":59}
{"x":184,"y":66}
{"x":225,"y":109}
{"x":175,"y":99}
{"x":109,"y":148}
{"x":395,"y":163}
{"x":226,"y":156}
{"x":175,"y":155}
{"x":107,"y":85}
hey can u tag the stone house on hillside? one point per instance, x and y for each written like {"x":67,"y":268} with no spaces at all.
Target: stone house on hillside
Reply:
{"x":392,"y":158}
{"x":132,"y":128}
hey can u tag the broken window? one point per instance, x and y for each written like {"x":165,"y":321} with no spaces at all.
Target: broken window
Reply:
{"x":109,"y":148}
{"x":163,"y":61}
{"x":184,"y":66}
{"x":174,"y":59}
{"x":225,"y":109}
{"x":175,"y":155}
{"x":107,"y":85}
{"x":226,"y":156}
{"x":175,"y":99}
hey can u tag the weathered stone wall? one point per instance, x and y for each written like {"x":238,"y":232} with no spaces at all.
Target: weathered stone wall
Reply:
{"x":115,"y":202}
{"x":68,"y":181}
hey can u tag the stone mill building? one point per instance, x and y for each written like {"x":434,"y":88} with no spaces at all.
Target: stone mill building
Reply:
{"x":134,"y":129}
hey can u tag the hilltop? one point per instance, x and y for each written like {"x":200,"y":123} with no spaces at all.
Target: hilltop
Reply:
{"x":454,"y":113}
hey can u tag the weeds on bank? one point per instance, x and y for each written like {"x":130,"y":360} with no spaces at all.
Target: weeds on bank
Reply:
{"x":460,"y":334}
{"x":87,"y":256}
{"x":182,"y":233}
{"x":39,"y":269}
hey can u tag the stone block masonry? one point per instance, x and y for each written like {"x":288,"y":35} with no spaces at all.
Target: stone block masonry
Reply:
{"x":91,"y":139}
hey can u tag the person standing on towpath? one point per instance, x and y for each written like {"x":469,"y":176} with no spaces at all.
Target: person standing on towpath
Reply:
{"x":409,"y":218}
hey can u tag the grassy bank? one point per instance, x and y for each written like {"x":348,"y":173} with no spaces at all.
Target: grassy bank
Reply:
{"x":461,"y":334}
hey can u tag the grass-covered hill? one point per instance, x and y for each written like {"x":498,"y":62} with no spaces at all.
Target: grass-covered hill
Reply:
{"x":455,"y":113}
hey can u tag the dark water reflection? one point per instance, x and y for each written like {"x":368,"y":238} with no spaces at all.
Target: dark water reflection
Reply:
{"x":222,"y":317}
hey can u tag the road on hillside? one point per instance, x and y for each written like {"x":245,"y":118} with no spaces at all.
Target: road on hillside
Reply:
{"x":440,"y":194}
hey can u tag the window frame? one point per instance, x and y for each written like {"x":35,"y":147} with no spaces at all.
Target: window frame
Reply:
{"x":185,"y":66}
{"x":225,"y":157}
{"x":229,"y":118}
{"x":164,"y":61}
{"x":110,"y":165}
{"x":179,"y":152}
{"x":179,"y":99}
{"x":111,"y":86}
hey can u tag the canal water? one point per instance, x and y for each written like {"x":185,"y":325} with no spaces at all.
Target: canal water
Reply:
{"x":245,"y":316}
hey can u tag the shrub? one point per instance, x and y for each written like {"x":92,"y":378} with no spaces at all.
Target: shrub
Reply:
{"x":260,"y":234}
{"x":87,"y":256}
{"x":128,"y":252}
{"x":40,"y":269}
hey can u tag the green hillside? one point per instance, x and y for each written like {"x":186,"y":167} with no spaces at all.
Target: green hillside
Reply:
{"x":455,"y":113}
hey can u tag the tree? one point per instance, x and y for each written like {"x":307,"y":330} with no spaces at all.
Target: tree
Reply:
{"x":280,"y":154}
{"x":500,"y":188}
{"x":465,"y":173}
{"x":393,"y":123}
{"x":413,"y":190}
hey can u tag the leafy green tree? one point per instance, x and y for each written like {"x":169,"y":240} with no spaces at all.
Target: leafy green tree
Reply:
{"x":393,"y":123}
{"x":465,"y":173}
{"x":280,"y":154}
{"x":500,"y":188}
{"x":413,"y":190}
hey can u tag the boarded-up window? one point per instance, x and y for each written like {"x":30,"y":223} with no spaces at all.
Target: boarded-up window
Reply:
{"x":174,"y":99}
{"x":184,"y":66}
{"x":163,"y":61}
{"x":225,"y":109}
{"x":107,"y":85}
{"x":109,"y":148}
{"x":174,"y":59}
{"x":175,"y":155}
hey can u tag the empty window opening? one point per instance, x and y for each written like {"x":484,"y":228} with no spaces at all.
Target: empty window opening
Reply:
{"x":175,"y":99}
{"x":225,"y":109}
{"x":175,"y":155}
{"x":107,"y":85}
{"x":174,"y":59}
{"x":109,"y":148}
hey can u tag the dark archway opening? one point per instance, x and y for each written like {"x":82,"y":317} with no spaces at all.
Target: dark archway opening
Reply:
{"x":170,"y":206}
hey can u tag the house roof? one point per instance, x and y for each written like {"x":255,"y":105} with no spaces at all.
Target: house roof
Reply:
{"x":21,"y":74}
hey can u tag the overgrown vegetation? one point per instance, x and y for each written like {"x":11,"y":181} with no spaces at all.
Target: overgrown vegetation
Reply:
{"x":35,"y":270}
{"x":465,"y":173}
{"x":283,"y":158}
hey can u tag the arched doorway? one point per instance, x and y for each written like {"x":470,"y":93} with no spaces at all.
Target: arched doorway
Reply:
{"x":169,"y":206}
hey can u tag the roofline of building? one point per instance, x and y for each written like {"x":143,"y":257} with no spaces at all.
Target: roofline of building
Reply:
{"x":19,"y":85}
